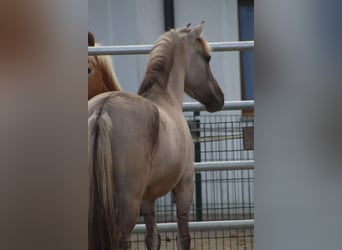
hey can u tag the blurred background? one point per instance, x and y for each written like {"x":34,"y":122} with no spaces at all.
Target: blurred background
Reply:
{"x":43,"y":146}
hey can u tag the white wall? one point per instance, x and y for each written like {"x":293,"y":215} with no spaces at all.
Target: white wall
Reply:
{"x":117,"y":22}
{"x":127,"y":23}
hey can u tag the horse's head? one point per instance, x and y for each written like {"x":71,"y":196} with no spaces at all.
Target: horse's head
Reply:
{"x":95,"y":82}
{"x":101,"y":76}
{"x":200,"y":83}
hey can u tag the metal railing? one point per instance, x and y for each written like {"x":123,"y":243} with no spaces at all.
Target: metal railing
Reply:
{"x":228,"y":105}
{"x":215,"y":46}
{"x":199,"y":226}
{"x":146,"y":49}
{"x":224,"y":165}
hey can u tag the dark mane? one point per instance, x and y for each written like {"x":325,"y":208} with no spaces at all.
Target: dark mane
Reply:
{"x":159,"y":65}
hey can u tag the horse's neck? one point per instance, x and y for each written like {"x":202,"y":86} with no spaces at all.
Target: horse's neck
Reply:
{"x":110,"y":79}
{"x":96,"y":89}
{"x":167,"y":90}
{"x":170,"y":98}
{"x":175,"y":85}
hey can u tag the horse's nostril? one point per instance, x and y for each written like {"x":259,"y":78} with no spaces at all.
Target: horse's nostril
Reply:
{"x":89,"y":70}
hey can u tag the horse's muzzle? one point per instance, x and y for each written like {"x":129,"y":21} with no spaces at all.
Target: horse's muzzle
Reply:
{"x":215,"y":106}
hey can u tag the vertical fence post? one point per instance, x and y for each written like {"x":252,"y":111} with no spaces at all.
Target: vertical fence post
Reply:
{"x":198,"y":177}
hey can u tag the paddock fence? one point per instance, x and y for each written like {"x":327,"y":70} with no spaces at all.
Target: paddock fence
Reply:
{"x":222,"y":214}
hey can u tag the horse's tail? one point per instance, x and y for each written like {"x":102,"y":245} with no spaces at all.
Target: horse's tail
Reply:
{"x":101,"y":213}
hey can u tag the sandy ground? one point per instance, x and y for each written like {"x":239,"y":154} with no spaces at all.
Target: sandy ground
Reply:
{"x":218,"y":240}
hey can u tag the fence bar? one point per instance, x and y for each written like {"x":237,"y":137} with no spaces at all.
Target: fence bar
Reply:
{"x":232,"y":46}
{"x":120,"y":50}
{"x":146,"y":49}
{"x":224,"y":165}
{"x":228,"y":105}
{"x":200,"y":226}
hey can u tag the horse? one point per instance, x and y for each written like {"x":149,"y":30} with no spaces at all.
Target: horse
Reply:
{"x":140,"y":146}
{"x":101,"y":76}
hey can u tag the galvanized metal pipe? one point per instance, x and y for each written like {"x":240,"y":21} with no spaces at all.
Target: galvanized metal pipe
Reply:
{"x":146,"y":49}
{"x":224,"y":165}
{"x":120,"y":50}
{"x":232,"y":46}
{"x":200,"y":226}
{"x":228,"y":105}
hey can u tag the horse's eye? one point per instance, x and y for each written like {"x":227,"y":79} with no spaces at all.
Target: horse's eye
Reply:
{"x":89,"y":70}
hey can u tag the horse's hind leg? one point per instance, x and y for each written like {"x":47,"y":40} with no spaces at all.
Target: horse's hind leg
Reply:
{"x":152,"y":239}
{"x":128,"y":212}
{"x":183,"y":193}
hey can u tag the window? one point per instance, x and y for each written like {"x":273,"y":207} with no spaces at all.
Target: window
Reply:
{"x":246,"y":33}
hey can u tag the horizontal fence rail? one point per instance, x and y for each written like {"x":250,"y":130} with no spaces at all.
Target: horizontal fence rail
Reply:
{"x":146,"y":49}
{"x":228,"y":105}
{"x":224,"y":165}
{"x":200,"y":226}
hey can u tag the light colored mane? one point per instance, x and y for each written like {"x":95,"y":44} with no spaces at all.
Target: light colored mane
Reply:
{"x":205,"y":45}
{"x":161,"y":59}
{"x":106,"y":65}
{"x":159,"y":65}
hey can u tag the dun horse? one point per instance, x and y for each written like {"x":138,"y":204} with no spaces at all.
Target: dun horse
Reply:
{"x":101,"y":77}
{"x":140,"y":146}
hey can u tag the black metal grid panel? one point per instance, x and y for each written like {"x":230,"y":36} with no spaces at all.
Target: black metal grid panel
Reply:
{"x":221,"y":137}
{"x":234,"y":239}
{"x":219,"y":195}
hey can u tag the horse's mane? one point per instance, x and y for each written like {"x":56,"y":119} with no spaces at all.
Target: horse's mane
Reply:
{"x":205,"y":44}
{"x":105,"y":62}
{"x":159,"y":65}
{"x":161,"y":59}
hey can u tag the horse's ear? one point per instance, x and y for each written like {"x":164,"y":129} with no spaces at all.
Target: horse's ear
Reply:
{"x":91,"y":39}
{"x":197,"y":31}
{"x":186,"y":29}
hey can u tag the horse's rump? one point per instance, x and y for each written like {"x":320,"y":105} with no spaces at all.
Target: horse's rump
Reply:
{"x":134,"y":119}
{"x":123,"y":131}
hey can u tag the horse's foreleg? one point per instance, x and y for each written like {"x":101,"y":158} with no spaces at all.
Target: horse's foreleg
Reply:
{"x":152,"y":239}
{"x":128,"y":212}
{"x":183,"y":193}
